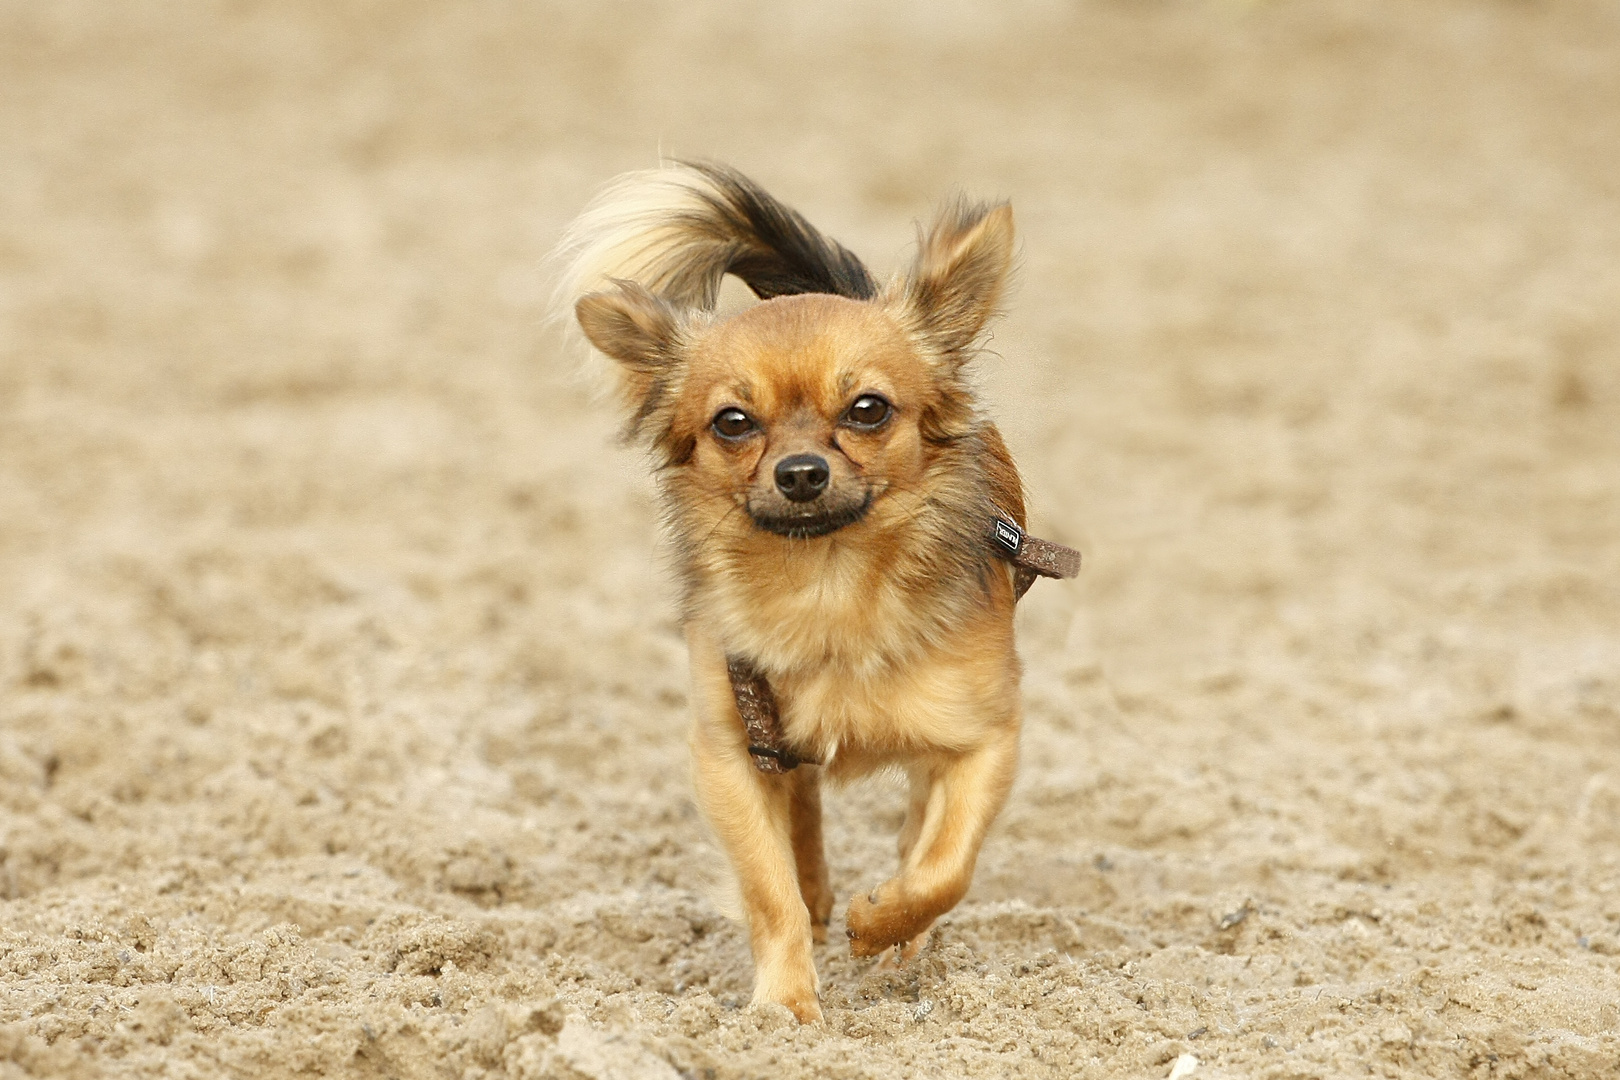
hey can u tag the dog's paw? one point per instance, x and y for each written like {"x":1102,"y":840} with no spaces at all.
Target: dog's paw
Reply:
{"x":806,"y":1009}
{"x":880,"y":919}
{"x":790,"y":982}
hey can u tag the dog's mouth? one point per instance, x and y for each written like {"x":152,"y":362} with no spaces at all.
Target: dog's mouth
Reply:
{"x":812,"y":523}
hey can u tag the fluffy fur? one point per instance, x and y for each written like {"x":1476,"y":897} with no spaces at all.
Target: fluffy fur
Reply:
{"x":875,"y":607}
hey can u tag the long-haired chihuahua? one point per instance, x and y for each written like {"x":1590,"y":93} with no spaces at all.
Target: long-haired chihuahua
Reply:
{"x":847,"y":528}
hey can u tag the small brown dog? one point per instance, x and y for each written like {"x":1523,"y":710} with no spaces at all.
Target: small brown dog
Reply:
{"x":833,"y":494}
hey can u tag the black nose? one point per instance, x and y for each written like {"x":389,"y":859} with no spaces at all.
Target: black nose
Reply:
{"x":801,"y":477}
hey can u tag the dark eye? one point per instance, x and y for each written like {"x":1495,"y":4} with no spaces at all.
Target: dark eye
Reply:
{"x":869,"y":411}
{"x":732,"y":423}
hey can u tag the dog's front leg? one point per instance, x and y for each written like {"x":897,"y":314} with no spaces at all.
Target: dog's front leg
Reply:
{"x":964,"y":795}
{"x":752,"y":814}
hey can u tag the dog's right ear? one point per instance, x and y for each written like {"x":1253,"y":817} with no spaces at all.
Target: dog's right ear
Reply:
{"x":641,"y":332}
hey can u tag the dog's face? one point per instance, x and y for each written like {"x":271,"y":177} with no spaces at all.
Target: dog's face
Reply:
{"x":808,"y":413}
{"x":804,"y":412}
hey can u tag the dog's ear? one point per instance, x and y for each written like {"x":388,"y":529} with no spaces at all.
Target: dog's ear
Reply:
{"x":642,"y":332}
{"x":629,"y":324}
{"x":956,"y":282}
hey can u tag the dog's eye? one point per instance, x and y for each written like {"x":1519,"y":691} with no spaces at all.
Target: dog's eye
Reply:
{"x":869,"y":411}
{"x":732,"y":423}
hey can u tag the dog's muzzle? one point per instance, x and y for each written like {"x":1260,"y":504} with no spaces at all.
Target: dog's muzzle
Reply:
{"x":812,"y":521}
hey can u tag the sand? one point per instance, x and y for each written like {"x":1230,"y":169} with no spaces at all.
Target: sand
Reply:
{"x":341,"y":696}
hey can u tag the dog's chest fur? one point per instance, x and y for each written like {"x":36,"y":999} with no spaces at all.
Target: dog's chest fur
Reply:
{"x":869,"y":662}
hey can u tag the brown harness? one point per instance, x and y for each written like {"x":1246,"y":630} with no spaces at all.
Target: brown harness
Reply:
{"x":1031,"y":557}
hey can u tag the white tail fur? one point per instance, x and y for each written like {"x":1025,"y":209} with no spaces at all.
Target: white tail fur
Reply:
{"x":678,"y":230}
{"x":656,"y":227}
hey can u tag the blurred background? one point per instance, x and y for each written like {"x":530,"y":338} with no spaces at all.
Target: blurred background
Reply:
{"x":341,"y":697}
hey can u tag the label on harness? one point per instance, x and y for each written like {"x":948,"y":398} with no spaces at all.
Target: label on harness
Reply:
{"x":1007,"y":536}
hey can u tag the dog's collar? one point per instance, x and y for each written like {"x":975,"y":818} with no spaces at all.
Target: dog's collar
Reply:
{"x":768,"y":747}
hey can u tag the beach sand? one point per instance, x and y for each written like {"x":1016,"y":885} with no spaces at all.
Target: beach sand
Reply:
{"x":342,"y":700}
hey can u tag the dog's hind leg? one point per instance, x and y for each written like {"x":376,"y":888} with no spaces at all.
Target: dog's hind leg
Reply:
{"x":753,"y":816}
{"x":808,"y":855}
{"x":965,"y":793}
{"x":916,"y":809}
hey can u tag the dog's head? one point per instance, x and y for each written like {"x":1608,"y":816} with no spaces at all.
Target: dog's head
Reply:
{"x":809,"y":411}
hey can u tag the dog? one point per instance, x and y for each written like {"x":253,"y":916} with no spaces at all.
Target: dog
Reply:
{"x":833,"y":495}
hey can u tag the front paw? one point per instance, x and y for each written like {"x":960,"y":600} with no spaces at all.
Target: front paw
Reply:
{"x":880,"y":919}
{"x":789,"y":980}
{"x":805,"y":1006}
{"x":807,"y":1009}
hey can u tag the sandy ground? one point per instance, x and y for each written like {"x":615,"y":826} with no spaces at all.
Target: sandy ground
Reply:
{"x":341,"y":701}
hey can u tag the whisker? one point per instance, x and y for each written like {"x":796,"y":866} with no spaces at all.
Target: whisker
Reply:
{"x":732,"y":509}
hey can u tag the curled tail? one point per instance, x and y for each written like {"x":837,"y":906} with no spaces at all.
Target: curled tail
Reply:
{"x":677,"y":230}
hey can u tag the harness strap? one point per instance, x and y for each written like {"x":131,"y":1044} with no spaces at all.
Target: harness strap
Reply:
{"x":757,"y":707}
{"x":1031,"y":556}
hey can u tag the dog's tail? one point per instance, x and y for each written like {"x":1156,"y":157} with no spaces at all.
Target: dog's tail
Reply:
{"x":677,"y":230}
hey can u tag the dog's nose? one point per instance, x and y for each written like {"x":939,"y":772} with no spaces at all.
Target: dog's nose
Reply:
{"x":801,"y":477}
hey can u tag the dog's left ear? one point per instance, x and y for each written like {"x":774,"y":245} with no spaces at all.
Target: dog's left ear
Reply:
{"x":956,"y":282}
